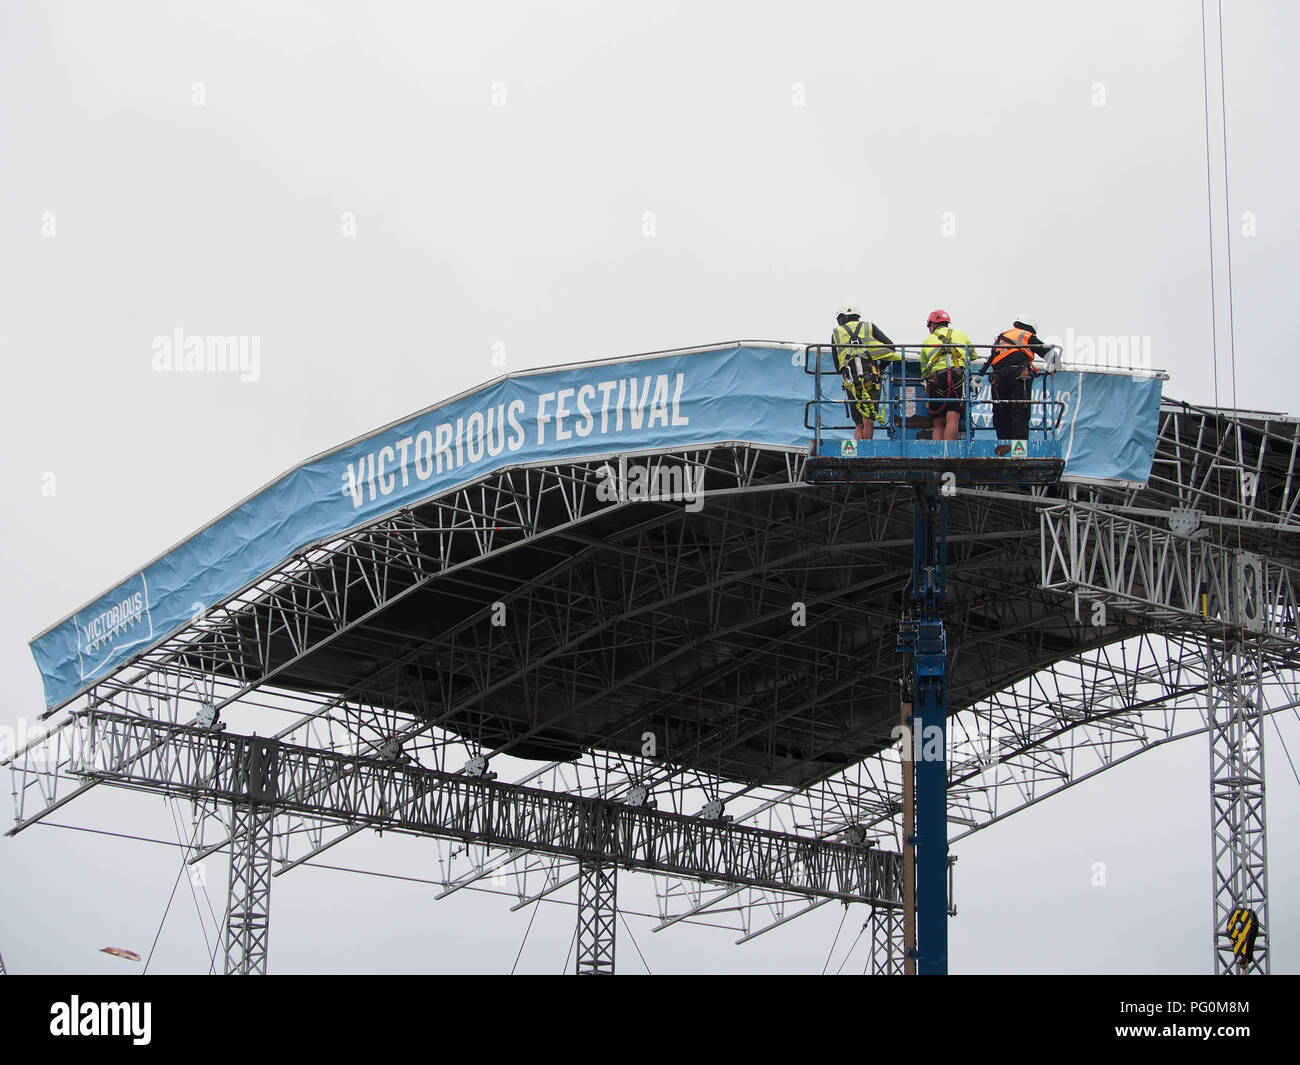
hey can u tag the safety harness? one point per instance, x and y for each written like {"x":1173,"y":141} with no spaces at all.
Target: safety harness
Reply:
{"x":946,"y":349}
{"x":1006,"y":346}
{"x":857,"y":362}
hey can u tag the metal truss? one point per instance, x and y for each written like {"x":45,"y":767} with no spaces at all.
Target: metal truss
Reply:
{"x":1237,"y":803}
{"x":597,"y":918}
{"x":251,"y":780}
{"x":248,"y":919}
{"x":1229,"y":466}
{"x":1216,"y":473}
{"x":1064,"y":725}
{"x":1169,"y":577}
{"x":1060,"y":727}
{"x":232,"y":657}
{"x":204,"y":764}
{"x":887,"y":950}
{"x":630,"y":611}
{"x":326,"y":591}
{"x":1231,"y":575}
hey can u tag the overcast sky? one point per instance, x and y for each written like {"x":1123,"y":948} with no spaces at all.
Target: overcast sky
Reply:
{"x":561,"y":182}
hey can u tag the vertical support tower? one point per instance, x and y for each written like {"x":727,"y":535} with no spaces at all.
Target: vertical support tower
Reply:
{"x":887,"y":943}
{"x":597,"y":914}
{"x":923,"y":639}
{"x":1236,"y":721}
{"x":248,"y":908}
{"x":248,"y":919}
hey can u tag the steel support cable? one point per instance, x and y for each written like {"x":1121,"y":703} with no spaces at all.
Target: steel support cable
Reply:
{"x":569,"y":953}
{"x":850,"y":951}
{"x":170,"y":899}
{"x":628,"y":928}
{"x":1227,"y":210}
{"x":536,"y":906}
{"x":1209,"y":206}
{"x":171,"y":809}
{"x":835,"y":941}
{"x":1286,"y":752}
{"x":1227,"y":244}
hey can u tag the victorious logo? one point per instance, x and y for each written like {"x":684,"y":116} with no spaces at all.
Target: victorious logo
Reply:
{"x":113,"y":625}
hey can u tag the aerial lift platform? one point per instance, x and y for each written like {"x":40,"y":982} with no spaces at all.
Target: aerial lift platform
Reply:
{"x":901,"y":452}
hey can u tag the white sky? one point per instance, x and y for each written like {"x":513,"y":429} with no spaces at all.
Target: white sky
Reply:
{"x":523,"y":225}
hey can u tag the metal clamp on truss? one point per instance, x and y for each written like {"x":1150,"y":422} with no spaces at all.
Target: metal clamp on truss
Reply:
{"x":256,"y":773}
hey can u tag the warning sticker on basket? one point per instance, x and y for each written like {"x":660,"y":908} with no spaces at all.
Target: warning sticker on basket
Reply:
{"x":1019,"y":450}
{"x":848,"y":449}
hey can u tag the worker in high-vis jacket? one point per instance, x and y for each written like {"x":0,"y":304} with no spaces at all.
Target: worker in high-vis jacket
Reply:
{"x":1012,"y":367}
{"x":859,"y":349}
{"x":944,"y":356}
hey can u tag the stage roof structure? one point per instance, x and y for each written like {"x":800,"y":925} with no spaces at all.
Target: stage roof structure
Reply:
{"x":624,"y":565}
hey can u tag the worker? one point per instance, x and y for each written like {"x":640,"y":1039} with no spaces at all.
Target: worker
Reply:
{"x":859,"y":348}
{"x":1012,"y":368}
{"x":944,"y":355}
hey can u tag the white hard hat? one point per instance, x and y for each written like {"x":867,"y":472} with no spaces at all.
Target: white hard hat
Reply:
{"x":849,"y":309}
{"x":1028,"y":321}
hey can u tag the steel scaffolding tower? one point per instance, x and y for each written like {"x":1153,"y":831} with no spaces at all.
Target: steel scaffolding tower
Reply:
{"x":597,"y":917}
{"x":1237,"y":803}
{"x":248,"y":919}
{"x":887,"y":946}
{"x":255,"y":783}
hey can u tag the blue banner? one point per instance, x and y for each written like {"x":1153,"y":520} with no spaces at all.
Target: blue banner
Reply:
{"x":1109,"y":429}
{"x":753,"y":393}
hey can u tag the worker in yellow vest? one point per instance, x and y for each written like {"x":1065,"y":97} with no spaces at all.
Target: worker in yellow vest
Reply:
{"x":1011,"y":367}
{"x":859,"y":348}
{"x":944,"y":354}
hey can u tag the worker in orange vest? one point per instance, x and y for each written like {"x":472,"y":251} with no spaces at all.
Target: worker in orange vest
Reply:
{"x":1012,"y":367}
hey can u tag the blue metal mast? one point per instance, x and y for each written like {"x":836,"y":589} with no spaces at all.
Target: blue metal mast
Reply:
{"x":924,"y":640}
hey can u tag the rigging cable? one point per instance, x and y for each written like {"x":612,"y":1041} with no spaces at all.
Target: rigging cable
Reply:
{"x":830,"y":952}
{"x":536,"y":906}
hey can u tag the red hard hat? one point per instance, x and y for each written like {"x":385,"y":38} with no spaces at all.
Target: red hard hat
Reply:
{"x":938,"y":316}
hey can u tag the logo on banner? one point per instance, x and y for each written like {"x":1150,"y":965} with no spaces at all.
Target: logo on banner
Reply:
{"x":848,"y":449}
{"x":110,"y":627}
